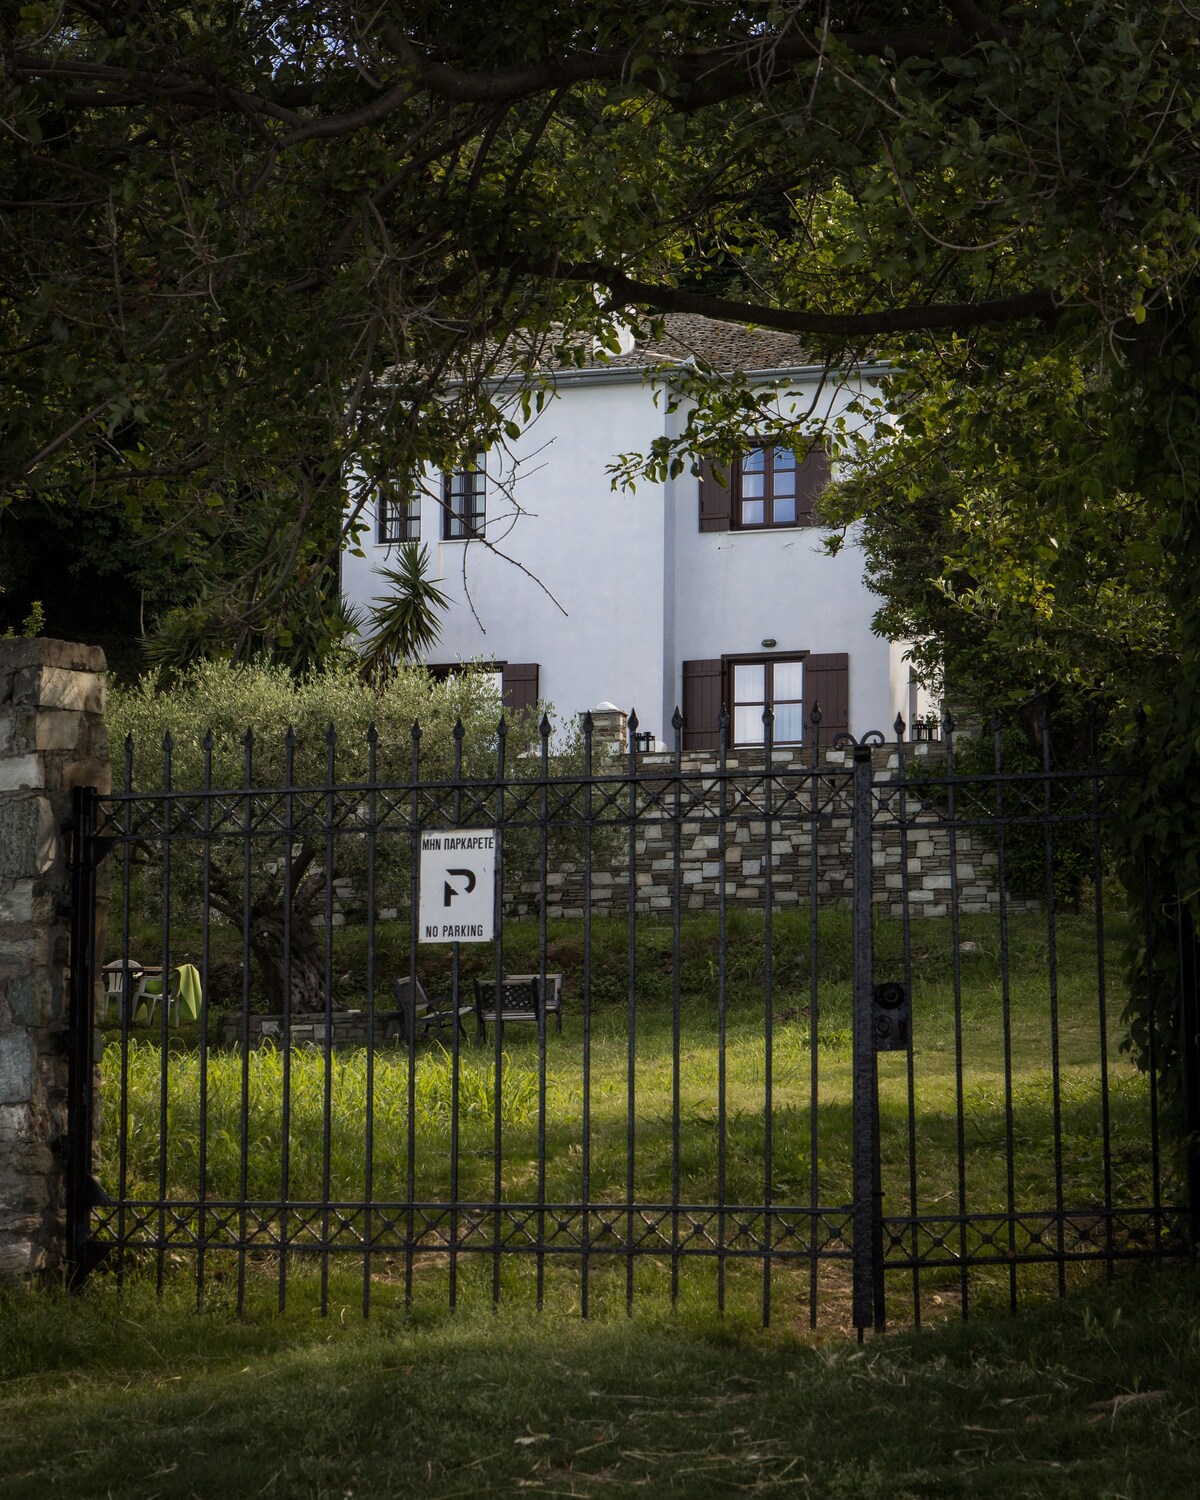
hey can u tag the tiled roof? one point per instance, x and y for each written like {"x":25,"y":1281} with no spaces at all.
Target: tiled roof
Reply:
{"x":724,"y":346}
{"x":684,"y":337}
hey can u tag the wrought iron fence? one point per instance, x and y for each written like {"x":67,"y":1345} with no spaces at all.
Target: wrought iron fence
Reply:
{"x":839,"y":1027}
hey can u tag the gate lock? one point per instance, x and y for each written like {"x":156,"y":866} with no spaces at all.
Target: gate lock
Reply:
{"x":891,"y":1016}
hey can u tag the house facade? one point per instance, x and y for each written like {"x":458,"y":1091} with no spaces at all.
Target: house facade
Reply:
{"x":703,"y":591}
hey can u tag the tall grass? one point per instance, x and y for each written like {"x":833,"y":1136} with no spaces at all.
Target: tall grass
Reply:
{"x":674,"y":1108}
{"x":673,"y":1118}
{"x":243,"y":1106}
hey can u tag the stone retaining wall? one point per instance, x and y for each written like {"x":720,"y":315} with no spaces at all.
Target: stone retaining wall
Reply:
{"x":921,"y":854}
{"x":313,"y":1029}
{"x":918,"y":856}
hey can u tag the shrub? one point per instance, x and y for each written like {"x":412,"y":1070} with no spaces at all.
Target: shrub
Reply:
{"x":257,"y":727}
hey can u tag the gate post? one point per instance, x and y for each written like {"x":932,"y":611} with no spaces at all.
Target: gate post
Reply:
{"x":868,"y":1229}
{"x":81,"y":1033}
{"x":52,"y":739}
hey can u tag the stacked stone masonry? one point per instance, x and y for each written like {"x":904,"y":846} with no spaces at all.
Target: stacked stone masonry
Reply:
{"x":912,"y":846}
{"x":52,"y":739}
{"x":343,"y":1028}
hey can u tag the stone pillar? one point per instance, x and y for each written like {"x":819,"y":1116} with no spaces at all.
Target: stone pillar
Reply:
{"x":610,"y":729}
{"x":52,"y":739}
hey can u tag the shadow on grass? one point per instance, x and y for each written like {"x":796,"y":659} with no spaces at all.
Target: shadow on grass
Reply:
{"x":140,"y":1397}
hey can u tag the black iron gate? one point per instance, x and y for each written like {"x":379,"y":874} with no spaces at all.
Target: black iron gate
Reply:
{"x":819,"y":1026}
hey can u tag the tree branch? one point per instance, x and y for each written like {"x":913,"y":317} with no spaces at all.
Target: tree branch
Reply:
{"x":624,"y":290}
{"x":689,"y":81}
{"x":198,"y":92}
{"x":707,"y":76}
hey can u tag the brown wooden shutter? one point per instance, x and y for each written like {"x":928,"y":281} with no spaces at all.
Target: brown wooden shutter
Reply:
{"x":811,"y":478}
{"x":827,"y":682}
{"x":520,"y":685}
{"x":702,"y":704}
{"x":716,"y":499}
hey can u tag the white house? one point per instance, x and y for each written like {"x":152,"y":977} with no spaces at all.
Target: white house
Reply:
{"x":687,"y":593}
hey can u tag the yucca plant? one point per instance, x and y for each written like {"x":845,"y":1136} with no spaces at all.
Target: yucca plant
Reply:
{"x":405,"y":623}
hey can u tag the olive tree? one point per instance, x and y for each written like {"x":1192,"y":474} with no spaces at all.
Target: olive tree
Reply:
{"x":286,"y":786}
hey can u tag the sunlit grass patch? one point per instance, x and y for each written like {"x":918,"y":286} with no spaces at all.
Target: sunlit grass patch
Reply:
{"x":640,"y":1105}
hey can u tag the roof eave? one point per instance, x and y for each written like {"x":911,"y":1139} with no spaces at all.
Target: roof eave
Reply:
{"x":641,"y":374}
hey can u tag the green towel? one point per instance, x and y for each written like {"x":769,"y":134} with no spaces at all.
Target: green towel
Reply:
{"x":187,"y":987}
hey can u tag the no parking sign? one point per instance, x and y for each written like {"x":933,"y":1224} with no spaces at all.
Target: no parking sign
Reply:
{"x":458,"y":885}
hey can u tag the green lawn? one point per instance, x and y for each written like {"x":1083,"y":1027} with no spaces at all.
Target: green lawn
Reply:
{"x":144,"y":1399}
{"x":660,"y":1132}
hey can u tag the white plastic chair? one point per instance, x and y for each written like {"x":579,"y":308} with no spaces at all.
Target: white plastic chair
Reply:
{"x":123,"y":980}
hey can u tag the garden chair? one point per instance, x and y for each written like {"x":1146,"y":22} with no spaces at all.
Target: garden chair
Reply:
{"x":126,"y":981}
{"x":420,"y":1017}
{"x":120,"y":977}
{"x":551,"y":993}
{"x":180,"y":993}
{"x":510,"y":1000}
{"x":149,"y":993}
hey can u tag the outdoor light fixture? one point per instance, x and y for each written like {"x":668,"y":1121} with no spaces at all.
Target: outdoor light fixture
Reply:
{"x":769,"y":642}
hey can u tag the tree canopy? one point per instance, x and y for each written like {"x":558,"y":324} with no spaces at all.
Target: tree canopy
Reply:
{"x":249,"y":246}
{"x":256,"y":257}
{"x":1025,"y":572}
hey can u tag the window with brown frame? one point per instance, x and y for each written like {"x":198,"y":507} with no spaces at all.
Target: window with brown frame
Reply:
{"x":517,"y":681}
{"x":734,"y":691}
{"x":775,"y":682}
{"x":398,"y":513}
{"x":465,"y":497}
{"x":767,"y":487}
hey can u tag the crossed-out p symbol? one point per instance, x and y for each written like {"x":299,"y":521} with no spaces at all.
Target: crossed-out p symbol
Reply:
{"x":449,"y":891}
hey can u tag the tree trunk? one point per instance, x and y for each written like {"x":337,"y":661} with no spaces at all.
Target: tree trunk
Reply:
{"x":304,"y":965}
{"x":286,"y":956}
